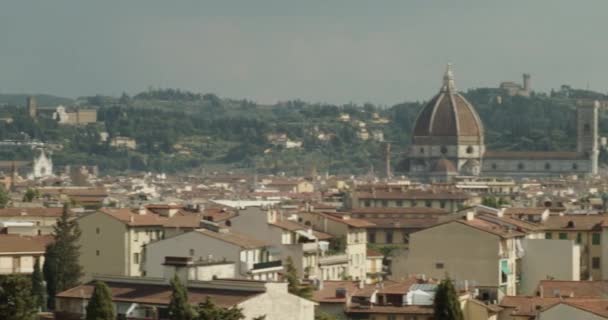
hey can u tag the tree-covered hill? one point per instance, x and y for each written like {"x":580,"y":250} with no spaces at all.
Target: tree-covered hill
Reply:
{"x":178,"y":130}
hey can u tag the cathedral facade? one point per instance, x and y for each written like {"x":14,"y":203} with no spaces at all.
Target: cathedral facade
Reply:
{"x":448,"y":140}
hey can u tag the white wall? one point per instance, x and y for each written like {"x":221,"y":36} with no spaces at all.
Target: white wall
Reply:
{"x":277,"y":304}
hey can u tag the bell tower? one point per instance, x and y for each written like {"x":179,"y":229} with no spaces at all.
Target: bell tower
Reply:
{"x":587,"y":132}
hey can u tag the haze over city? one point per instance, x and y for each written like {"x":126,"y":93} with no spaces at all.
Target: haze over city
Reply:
{"x":339,"y":51}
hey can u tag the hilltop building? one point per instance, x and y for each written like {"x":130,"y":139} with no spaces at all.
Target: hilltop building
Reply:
{"x":448,"y":141}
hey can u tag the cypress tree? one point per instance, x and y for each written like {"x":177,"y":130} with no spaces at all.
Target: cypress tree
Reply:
{"x":179,"y":308}
{"x":447,"y":305}
{"x":61,"y":266}
{"x":100,"y":305}
{"x":16,"y":301}
{"x":49,"y":270}
{"x":293,"y":283}
{"x":38,"y":287}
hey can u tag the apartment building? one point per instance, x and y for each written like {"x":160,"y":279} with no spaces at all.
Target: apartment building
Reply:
{"x":19,"y":254}
{"x":448,"y":200}
{"x":29,"y":221}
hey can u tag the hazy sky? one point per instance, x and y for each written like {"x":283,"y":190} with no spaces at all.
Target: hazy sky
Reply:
{"x":327,"y":51}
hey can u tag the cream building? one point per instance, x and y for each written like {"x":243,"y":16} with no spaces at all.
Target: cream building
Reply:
{"x":254,"y":259}
{"x":113,"y":240}
{"x":29,"y":221}
{"x":19,"y":254}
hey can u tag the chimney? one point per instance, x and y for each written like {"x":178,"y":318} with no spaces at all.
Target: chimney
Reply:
{"x":142,"y":210}
{"x":361,"y":284}
{"x":470,"y":215}
{"x":501,"y":212}
{"x":541,"y":292}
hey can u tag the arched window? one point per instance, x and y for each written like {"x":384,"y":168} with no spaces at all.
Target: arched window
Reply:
{"x":547,"y":166}
{"x":470,"y":149}
{"x":520,"y":166}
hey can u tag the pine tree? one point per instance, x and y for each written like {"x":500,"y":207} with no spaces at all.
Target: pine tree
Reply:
{"x":207,"y":310}
{"x":447,"y":306}
{"x":179,"y":308}
{"x":16,"y":301}
{"x":38,"y":287}
{"x":61,"y":267}
{"x":293,"y":283}
{"x":100,"y":306}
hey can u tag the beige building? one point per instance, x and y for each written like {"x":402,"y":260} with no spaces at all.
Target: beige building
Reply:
{"x":113,"y":240}
{"x":254,"y":259}
{"x":29,"y":221}
{"x":482,"y":249}
{"x":447,"y":200}
{"x":18,"y":254}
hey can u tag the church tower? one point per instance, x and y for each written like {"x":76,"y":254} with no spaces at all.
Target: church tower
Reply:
{"x":587,"y":132}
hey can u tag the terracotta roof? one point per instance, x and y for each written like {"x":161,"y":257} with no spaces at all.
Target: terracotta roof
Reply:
{"x":328,"y":293}
{"x":11,"y":243}
{"x":31,"y":212}
{"x":533,"y":155}
{"x":526,"y":305}
{"x":444,"y":165}
{"x":576,"y":289}
{"x":401,"y":223}
{"x":242,"y":240}
{"x":133,"y":219}
{"x":490,"y":227}
{"x":400,"y":210}
{"x":448,"y":114}
{"x":293,"y":226}
{"x":160,"y":294}
{"x":408,"y":309}
{"x":414,"y":195}
{"x":574,"y":222}
{"x":525,"y":211}
{"x":373,"y":253}
{"x":352,"y":222}
{"x":184,"y":220}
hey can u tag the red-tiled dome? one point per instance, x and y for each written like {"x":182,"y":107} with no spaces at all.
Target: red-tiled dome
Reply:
{"x":448,"y":115}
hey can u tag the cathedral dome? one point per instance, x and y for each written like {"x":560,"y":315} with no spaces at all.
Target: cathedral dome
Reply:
{"x":448,"y":118}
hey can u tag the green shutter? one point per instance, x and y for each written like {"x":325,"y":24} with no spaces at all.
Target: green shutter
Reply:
{"x":504,"y":266}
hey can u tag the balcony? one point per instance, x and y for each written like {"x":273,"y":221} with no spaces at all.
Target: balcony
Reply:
{"x":333,"y":259}
{"x":309,"y":246}
{"x":267,"y":265}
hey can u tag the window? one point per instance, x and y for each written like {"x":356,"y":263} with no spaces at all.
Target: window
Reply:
{"x":392,"y":317}
{"x":384,"y":203}
{"x":595,"y":262}
{"x":414,"y":203}
{"x":406,"y":238}
{"x":422,"y":150}
{"x":135,"y":236}
{"x":470,"y":149}
{"x":192,"y":252}
{"x":97,"y":230}
{"x":442,"y":204}
{"x":563,"y":236}
{"x":368,"y":203}
{"x":371,"y":237}
{"x":595,"y":239}
{"x":548,"y":235}
{"x":574,"y":166}
{"x":136,"y":258}
{"x":547,"y":166}
{"x":520,"y":166}
{"x":586,"y":128}
{"x":439,"y":265}
{"x":494,"y":166}
{"x":428,"y":203}
{"x":97,"y":253}
{"x":399,"y":203}
{"x":444,"y":150}
{"x":389,"y":236}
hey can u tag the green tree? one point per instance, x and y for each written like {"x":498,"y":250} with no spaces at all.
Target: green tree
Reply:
{"x":16,"y":302}
{"x":38,"y":287}
{"x":207,"y":310}
{"x":447,"y":306}
{"x":179,"y":308}
{"x":324,"y":316}
{"x":293,"y":283}
{"x":3,"y":197}
{"x":30,"y":195}
{"x":62,"y":269}
{"x":100,"y":306}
